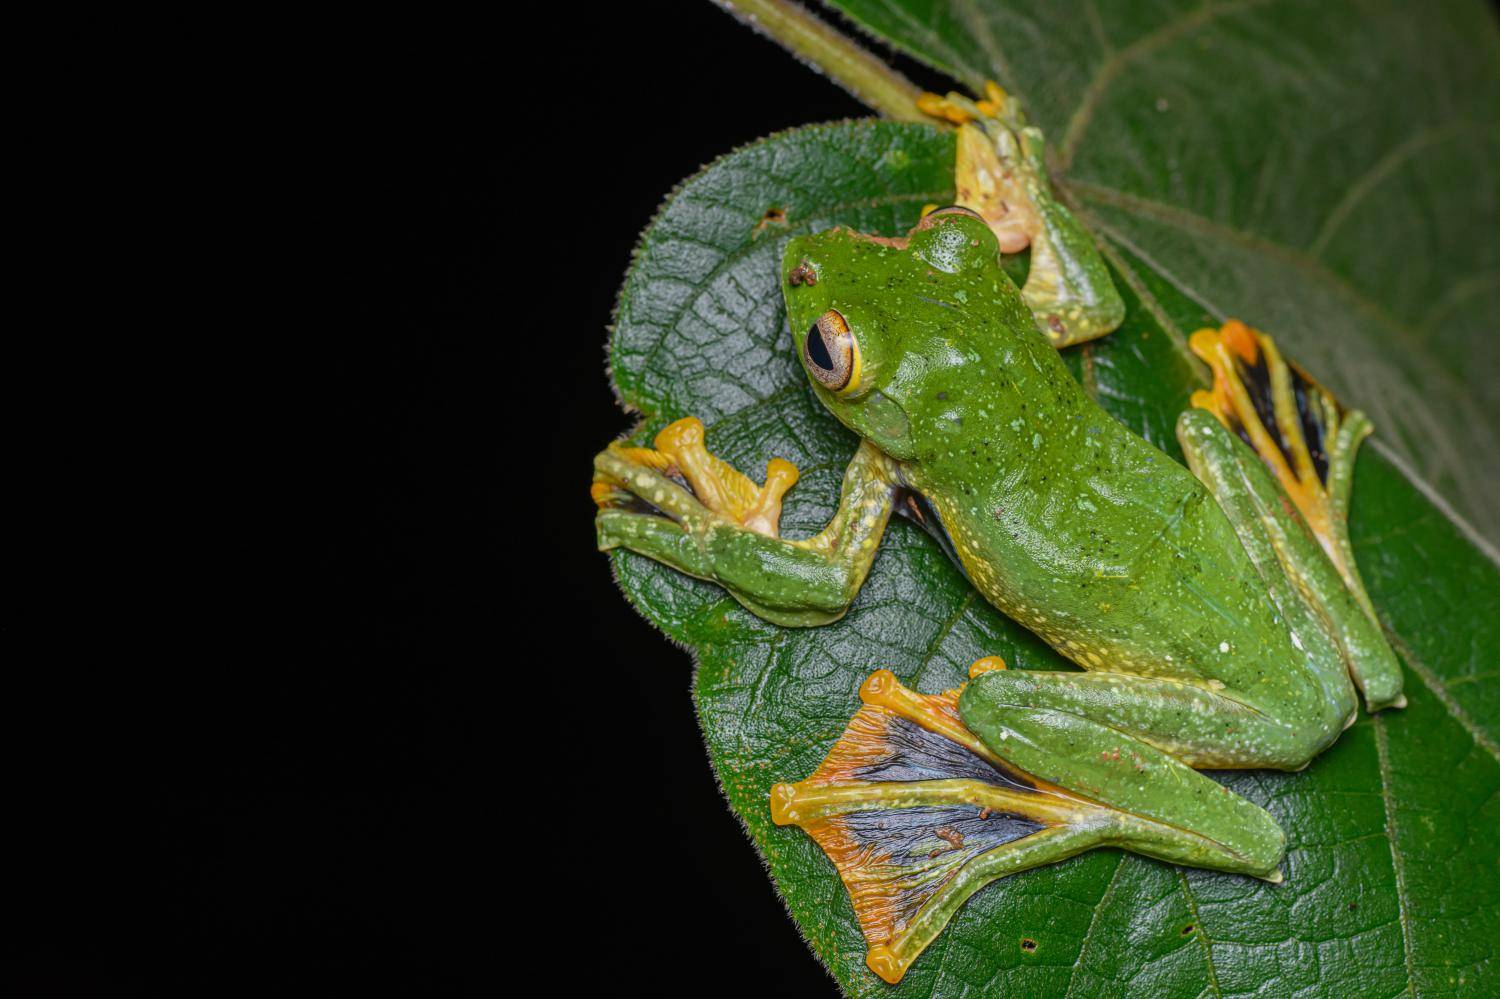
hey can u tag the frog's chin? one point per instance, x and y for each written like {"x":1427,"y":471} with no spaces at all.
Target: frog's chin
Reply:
{"x":876,"y":417}
{"x":888,"y":424}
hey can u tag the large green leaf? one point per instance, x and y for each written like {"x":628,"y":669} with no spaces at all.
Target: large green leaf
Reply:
{"x":1393,"y":883}
{"x":1329,"y":169}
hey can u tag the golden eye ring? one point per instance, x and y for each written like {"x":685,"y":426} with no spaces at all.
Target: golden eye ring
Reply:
{"x":831,"y":354}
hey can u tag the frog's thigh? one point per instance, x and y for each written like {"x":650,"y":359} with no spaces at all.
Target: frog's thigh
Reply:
{"x":1199,"y":727}
{"x":1185,"y":817}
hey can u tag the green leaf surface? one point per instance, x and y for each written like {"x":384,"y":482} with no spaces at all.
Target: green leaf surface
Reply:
{"x":1393,"y":870}
{"x":1327,"y":171}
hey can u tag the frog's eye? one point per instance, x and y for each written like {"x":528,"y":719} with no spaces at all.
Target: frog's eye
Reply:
{"x":830,"y":351}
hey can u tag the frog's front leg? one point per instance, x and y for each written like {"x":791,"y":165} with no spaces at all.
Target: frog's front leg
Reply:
{"x":684,"y":507}
{"x":1001,"y":173}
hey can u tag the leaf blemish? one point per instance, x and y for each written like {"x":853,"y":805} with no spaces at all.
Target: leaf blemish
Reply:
{"x":773,"y":216}
{"x":1028,"y":944}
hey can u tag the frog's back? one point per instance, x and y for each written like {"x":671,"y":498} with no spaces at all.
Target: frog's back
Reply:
{"x":1095,"y":539}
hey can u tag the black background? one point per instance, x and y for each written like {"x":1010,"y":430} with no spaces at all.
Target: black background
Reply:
{"x":401,"y":731}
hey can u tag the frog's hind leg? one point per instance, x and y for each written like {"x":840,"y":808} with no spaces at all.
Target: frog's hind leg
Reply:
{"x":917,"y":814}
{"x":1307,"y":463}
{"x":1295,"y":426}
{"x":1001,"y":173}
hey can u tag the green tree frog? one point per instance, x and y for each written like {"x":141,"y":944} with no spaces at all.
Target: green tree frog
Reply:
{"x":1215,"y":610}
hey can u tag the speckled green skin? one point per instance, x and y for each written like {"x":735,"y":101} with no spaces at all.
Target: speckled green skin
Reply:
{"x":1064,"y":519}
{"x":1215,"y":631}
{"x":1117,"y":556}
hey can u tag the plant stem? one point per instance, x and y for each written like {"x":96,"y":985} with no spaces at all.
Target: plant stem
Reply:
{"x":831,"y":52}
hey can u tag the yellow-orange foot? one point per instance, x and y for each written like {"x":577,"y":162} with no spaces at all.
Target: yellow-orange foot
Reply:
{"x":679,"y":453}
{"x":1296,"y":426}
{"x":996,"y":187}
{"x":959,"y":109}
{"x":910,"y":806}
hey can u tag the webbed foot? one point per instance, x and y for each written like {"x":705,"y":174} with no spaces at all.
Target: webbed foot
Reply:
{"x":1296,"y":427}
{"x":680,"y":505}
{"x":989,"y":175}
{"x":681,"y":456}
{"x":918,"y":813}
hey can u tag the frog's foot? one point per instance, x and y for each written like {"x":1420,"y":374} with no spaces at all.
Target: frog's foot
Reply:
{"x":1296,"y":427}
{"x":959,"y":109}
{"x":917,"y":814}
{"x":685,"y":508}
{"x":1001,"y":173}
{"x":719,"y":488}
{"x":989,"y":176}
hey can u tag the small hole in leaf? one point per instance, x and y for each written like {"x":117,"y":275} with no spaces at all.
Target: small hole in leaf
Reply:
{"x":773,"y":217}
{"x":1028,"y":944}
{"x":1352,"y":907}
{"x":1187,"y":930}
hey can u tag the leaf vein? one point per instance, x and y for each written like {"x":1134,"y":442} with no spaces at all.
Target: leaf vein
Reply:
{"x":1434,"y":683}
{"x":1153,"y":306}
{"x":942,"y":635}
{"x":1459,"y":293}
{"x":1361,"y":187}
{"x":1468,"y":530}
{"x":957,"y":65}
{"x":1088,"y":934}
{"x":1382,"y":753}
{"x":980,"y":27}
{"x":1111,"y":68}
{"x":1202,"y":934}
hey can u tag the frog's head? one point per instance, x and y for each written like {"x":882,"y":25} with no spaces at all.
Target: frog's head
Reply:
{"x":872,"y":319}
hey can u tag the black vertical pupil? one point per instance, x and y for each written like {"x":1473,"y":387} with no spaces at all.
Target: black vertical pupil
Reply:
{"x":817,"y":350}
